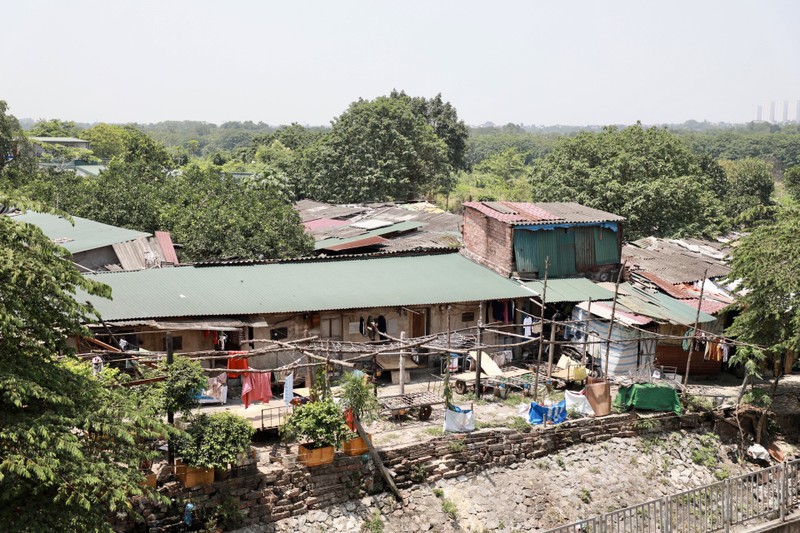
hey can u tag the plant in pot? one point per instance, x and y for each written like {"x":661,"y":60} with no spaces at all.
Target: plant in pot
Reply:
{"x":212,"y":442}
{"x":320,"y":427}
{"x":360,"y":405}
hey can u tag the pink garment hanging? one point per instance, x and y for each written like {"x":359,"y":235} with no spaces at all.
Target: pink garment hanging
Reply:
{"x":256,"y":387}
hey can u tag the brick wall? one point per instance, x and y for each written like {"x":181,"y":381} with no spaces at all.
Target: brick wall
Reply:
{"x":488,"y":241}
{"x":274,"y":492}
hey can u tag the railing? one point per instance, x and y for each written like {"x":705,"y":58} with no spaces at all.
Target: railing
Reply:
{"x":766,"y":494}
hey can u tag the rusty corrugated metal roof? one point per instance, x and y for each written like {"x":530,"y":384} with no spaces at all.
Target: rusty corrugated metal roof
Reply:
{"x":527,"y":213}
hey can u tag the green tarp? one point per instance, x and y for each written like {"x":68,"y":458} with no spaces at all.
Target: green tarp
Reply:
{"x":648,"y":396}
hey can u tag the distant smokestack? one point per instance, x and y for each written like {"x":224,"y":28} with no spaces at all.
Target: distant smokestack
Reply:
{"x":772,"y":111}
{"x":760,"y":113}
{"x":797,"y":111}
{"x":786,"y":110}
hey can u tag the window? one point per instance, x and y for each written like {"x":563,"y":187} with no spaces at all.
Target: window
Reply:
{"x":468,"y":317}
{"x":177,"y":343}
{"x":278,"y":334}
{"x":331,"y":328}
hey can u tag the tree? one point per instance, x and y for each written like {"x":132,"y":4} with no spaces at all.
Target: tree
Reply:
{"x":646,"y":175}
{"x":791,"y":181}
{"x":443,"y":118}
{"x":215,"y":215}
{"x":70,"y":447}
{"x":378,"y":150}
{"x":16,"y":156}
{"x":54,"y":128}
{"x":749,"y":184}
{"x":107,"y":140}
{"x":767,"y":263}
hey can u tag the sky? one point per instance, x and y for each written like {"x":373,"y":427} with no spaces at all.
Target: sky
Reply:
{"x":523,"y":62}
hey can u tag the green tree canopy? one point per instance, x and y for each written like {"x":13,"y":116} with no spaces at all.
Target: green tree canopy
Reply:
{"x":70,"y":447}
{"x":55,"y":128}
{"x":749,"y":184}
{"x":791,"y":181}
{"x":644,"y":174}
{"x":215,"y":215}
{"x":378,"y":150}
{"x":767,"y":261}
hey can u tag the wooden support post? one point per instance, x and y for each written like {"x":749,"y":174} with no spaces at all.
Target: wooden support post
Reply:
{"x":170,"y":414}
{"x":309,"y":369}
{"x":551,"y":349}
{"x":611,"y":322}
{"x":541,"y":332}
{"x":586,"y":332}
{"x":694,"y":333}
{"x":403,"y":364}
{"x":387,"y":476}
{"x":478,"y":354}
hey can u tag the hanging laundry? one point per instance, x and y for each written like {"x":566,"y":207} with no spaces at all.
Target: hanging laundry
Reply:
{"x":725,"y":348}
{"x":526,"y":326}
{"x":236,"y":363}
{"x":288,"y":389}
{"x":256,"y":387}
{"x":97,"y":364}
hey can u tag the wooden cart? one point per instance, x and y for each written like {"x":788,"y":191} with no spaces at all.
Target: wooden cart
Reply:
{"x":417,"y":403}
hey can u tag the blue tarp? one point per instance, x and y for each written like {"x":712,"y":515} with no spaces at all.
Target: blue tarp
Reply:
{"x":554,"y":413}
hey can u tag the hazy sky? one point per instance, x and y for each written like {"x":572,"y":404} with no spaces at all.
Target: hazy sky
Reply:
{"x":531,"y":62}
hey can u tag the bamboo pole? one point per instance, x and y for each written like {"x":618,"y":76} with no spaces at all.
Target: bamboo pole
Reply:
{"x":611,"y":322}
{"x":541,"y":333}
{"x":478,"y":354}
{"x":586,"y":332}
{"x":694,"y":332}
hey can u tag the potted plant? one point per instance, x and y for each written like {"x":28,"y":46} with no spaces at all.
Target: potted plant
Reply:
{"x":321,"y":428}
{"x":360,"y":405}
{"x":212,"y":442}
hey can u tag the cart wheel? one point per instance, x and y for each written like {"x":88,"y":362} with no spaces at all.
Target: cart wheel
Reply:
{"x":424,"y":413}
{"x":461,"y":387}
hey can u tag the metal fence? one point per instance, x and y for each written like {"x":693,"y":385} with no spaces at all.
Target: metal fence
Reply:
{"x":766,"y":494}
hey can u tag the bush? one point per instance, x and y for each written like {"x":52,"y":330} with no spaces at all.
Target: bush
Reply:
{"x":318,"y":423}
{"x":358,"y":397}
{"x":215,"y":440}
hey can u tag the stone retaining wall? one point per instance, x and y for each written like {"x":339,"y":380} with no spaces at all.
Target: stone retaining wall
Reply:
{"x":273,"y":492}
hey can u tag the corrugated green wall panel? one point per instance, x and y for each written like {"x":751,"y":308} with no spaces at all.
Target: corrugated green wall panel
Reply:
{"x":606,"y":251}
{"x":532,"y":248}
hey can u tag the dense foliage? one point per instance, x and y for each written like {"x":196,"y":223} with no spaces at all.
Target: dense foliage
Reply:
{"x":67,"y":441}
{"x":320,"y":423}
{"x":185,"y":380}
{"x":767,"y":261}
{"x":214,"y":441}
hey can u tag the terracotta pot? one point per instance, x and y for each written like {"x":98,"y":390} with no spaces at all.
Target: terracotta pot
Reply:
{"x":192,"y":477}
{"x":356,"y":446}
{"x":315,"y":456}
{"x":149,"y":480}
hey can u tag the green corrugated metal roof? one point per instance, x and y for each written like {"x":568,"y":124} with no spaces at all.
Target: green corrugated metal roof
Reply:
{"x":660,"y":306}
{"x":84,"y":235}
{"x":394,"y":228}
{"x":570,"y":290}
{"x":300,"y":287}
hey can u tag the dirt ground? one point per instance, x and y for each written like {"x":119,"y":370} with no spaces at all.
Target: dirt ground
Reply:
{"x":491,"y":411}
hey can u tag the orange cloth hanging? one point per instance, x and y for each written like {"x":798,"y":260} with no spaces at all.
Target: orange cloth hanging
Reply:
{"x":236,"y":364}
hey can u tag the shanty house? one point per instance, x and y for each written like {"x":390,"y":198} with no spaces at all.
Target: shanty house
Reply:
{"x":524,"y":239}
{"x":97,"y":246}
{"x":332,"y":299}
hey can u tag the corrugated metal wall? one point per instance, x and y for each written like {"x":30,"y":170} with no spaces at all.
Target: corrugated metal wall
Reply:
{"x":606,"y":250}
{"x":532,"y":248}
{"x":570,"y":250}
